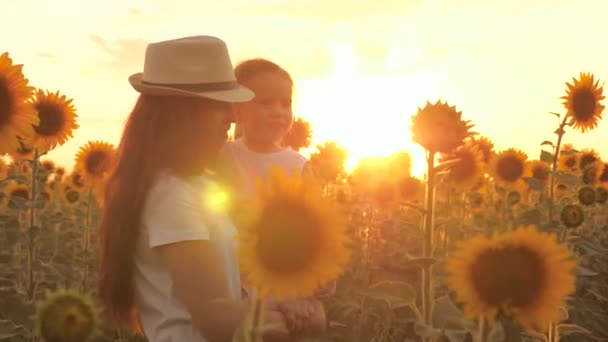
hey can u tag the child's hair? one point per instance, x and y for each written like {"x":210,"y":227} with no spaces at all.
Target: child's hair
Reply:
{"x":248,"y":69}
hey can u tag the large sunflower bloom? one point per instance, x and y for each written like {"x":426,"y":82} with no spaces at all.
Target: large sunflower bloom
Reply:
{"x":16,"y":114}
{"x":95,"y":160}
{"x":582,"y":101}
{"x":524,"y":274}
{"x":57,"y":120}
{"x":439,"y":127}
{"x":294,"y":241}
{"x":508,"y":167}
{"x":467,"y":170}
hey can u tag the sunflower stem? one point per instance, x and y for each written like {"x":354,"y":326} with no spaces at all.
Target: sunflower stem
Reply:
{"x":31,"y":250}
{"x":560,"y":135}
{"x":483,"y":330}
{"x":255,"y":320}
{"x":87,"y":223}
{"x":427,"y":279}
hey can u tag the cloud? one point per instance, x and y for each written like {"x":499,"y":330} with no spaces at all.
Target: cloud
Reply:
{"x":125,"y":55}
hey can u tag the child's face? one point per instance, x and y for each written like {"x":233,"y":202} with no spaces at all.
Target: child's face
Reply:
{"x":268,"y":116}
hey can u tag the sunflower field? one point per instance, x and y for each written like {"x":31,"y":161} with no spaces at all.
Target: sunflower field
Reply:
{"x":491,"y":245}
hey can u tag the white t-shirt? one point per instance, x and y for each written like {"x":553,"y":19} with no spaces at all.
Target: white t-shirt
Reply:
{"x":250,"y":164}
{"x":175,"y":211}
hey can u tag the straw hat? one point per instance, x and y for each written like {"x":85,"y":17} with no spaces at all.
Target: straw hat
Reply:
{"x":190,"y":66}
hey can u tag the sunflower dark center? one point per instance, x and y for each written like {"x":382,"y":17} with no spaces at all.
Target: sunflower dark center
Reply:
{"x":6,"y":103}
{"x":541,"y":173}
{"x":583,"y":104}
{"x":72,"y":196}
{"x":570,"y":162}
{"x":587,"y":159}
{"x":96,"y":163}
{"x":52,"y":119}
{"x":77,"y":180}
{"x":288,"y":237}
{"x":572,"y":216}
{"x":21,"y":193}
{"x":586,"y":196}
{"x":510,"y":168}
{"x":512,"y":274}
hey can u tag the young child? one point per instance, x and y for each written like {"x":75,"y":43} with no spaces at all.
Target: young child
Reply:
{"x":261,"y":125}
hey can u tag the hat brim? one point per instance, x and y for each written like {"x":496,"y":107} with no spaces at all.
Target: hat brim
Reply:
{"x":236,"y":95}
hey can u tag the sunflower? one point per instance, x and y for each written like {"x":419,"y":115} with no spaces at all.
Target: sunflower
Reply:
{"x":439,"y":128}
{"x":572,"y":215}
{"x":485,"y":146}
{"x":299,"y":134}
{"x":44,"y":197}
{"x":70,"y":195}
{"x":57,"y":119}
{"x":60,"y":172}
{"x":16,"y":114}
{"x":603,"y":178}
{"x":22,"y":152}
{"x":587,"y":158}
{"x":508,"y":167}
{"x":569,"y":162}
{"x":16,"y":194}
{"x":539,"y":170}
{"x":586,"y":195}
{"x":592,"y":173}
{"x":67,"y":315}
{"x":294,"y":240}
{"x":582,"y":101}
{"x":524,"y":274}
{"x":76,"y":180}
{"x":95,"y":160}
{"x":467,"y":170}
{"x":48,"y":165}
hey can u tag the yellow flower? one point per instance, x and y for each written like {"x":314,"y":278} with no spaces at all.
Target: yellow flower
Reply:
{"x":508,"y":167}
{"x":586,"y":195}
{"x":295,"y":239}
{"x":67,"y":315}
{"x":582,"y":101}
{"x":16,"y":194}
{"x":539,"y":170}
{"x":524,"y":274}
{"x":593,"y":172}
{"x":57,"y":120}
{"x":95,"y":160}
{"x":77,"y":180}
{"x":572,"y":215}
{"x":70,"y":195}
{"x":48,"y":165}
{"x":439,"y":127}
{"x":299,"y":134}
{"x":485,"y":146}
{"x":22,"y":152}
{"x":601,"y":194}
{"x":16,"y":114}
{"x":467,"y":170}
{"x":587,"y":157}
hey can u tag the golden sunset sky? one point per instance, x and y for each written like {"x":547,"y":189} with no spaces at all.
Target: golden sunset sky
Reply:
{"x":362,"y":68}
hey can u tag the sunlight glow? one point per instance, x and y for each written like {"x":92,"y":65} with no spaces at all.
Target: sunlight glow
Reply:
{"x":367,"y":114}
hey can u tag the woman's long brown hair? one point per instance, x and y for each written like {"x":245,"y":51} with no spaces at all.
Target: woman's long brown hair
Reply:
{"x":162,"y":133}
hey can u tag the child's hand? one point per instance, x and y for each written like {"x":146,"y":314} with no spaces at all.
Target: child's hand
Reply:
{"x":304,"y":316}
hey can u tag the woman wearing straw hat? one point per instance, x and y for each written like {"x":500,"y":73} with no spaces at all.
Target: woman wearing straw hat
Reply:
{"x":168,"y":259}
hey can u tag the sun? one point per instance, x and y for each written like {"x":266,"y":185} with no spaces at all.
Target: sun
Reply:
{"x":366,"y":112}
